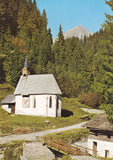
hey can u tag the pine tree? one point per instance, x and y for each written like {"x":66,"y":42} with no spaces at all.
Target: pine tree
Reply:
{"x":103,"y":82}
{"x":59,"y":48}
{"x":60,"y":40}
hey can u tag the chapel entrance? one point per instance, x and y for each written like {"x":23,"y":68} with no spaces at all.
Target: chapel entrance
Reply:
{"x":95,"y":148}
{"x":12,"y":106}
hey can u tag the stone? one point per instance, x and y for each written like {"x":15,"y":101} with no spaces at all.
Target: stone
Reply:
{"x":36,"y":151}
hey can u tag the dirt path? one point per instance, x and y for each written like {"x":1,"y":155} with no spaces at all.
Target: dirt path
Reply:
{"x":94,"y":111}
{"x":32,"y":136}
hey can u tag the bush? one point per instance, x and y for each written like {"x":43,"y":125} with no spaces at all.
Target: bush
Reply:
{"x":8,"y":154}
{"x":82,"y":98}
{"x":13,"y":150}
{"x":91,"y":99}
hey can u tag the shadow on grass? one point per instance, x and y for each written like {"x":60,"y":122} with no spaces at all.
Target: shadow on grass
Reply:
{"x":66,"y":113}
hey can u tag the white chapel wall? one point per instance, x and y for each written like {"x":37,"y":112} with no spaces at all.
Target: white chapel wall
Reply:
{"x":38,"y":105}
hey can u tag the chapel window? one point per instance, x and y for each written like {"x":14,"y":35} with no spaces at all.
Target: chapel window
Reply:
{"x":34,"y":102}
{"x":26,"y":101}
{"x":50,"y":102}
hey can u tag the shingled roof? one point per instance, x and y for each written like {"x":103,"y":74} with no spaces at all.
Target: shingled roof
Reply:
{"x":99,"y":123}
{"x":9,"y":99}
{"x":37,"y":84}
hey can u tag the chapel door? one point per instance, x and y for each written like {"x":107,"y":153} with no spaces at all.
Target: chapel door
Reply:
{"x":95,"y":148}
{"x":12,"y":106}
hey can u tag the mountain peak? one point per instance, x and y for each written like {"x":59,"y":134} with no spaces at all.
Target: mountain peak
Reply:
{"x":78,"y":31}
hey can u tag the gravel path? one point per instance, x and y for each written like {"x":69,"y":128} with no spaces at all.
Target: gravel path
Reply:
{"x":94,"y":111}
{"x":32,"y":136}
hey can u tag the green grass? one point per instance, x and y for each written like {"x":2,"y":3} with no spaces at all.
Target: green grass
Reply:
{"x":70,"y":136}
{"x":19,"y":123}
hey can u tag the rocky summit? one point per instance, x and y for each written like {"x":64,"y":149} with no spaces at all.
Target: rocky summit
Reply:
{"x":78,"y":31}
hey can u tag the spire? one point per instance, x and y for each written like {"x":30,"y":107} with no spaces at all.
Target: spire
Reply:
{"x":26,"y":63}
{"x":25,"y":71}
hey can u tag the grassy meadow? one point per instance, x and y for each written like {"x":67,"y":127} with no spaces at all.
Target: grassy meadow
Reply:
{"x":17,"y":124}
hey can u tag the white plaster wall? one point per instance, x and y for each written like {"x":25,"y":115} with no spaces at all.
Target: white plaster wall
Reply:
{"x":101,"y":147}
{"x":59,"y":108}
{"x":5,"y":107}
{"x":18,"y":104}
{"x":42,"y":106}
{"x":40,"y":109}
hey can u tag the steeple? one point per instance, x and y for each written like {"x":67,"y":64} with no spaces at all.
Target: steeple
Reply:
{"x":25,"y":71}
{"x":26,"y":63}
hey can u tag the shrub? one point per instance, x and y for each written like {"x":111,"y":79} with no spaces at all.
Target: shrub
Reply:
{"x":8,"y":154}
{"x":82,"y":98}
{"x":91,"y":99}
{"x":13,"y":150}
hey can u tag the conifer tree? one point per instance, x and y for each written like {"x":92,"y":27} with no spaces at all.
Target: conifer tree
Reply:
{"x":60,"y":40}
{"x":103,"y":82}
{"x":59,"y":48}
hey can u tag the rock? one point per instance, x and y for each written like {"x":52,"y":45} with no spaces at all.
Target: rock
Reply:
{"x":35,"y":150}
{"x":47,"y":122}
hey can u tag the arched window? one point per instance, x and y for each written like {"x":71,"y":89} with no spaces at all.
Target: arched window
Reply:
{"x":50,"y":102}
{"x":34,"y":102}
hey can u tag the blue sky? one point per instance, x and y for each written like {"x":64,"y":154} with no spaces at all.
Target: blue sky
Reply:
{"x":70,"y":13}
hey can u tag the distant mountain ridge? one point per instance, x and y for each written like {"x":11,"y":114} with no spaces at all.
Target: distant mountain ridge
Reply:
{"x":78,"y":31}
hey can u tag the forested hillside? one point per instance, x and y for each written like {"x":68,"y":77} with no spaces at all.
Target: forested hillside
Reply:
{"x":80,"y":66}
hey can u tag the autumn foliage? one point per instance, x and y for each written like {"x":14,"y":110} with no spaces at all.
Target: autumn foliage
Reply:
{"x":20,"y":44}
{"x":91,"y":99}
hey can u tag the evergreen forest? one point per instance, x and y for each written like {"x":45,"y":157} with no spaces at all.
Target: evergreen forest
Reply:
{"x":82,"y":68}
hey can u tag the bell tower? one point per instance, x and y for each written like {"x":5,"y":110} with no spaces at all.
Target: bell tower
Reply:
{"x":25,"y":71}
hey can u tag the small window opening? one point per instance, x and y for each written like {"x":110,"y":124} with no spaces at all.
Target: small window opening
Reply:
{"x":57,"y":103}
{"x":109,"y":136}
{"x":25,"y":95}
{"x":34,"y":102}
{"x":50,"y":102}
